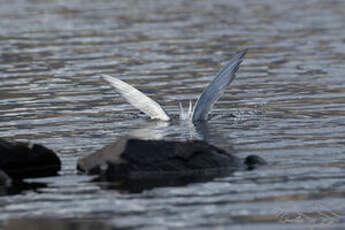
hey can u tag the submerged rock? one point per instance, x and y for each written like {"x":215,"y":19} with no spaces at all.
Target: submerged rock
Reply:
{"x":24,"y":160}
{"x":252,"y":161}
{"x":148,"y":159}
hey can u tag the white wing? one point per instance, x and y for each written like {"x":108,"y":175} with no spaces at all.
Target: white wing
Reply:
{"x":216,"y":88}
{"x":137,"y":99}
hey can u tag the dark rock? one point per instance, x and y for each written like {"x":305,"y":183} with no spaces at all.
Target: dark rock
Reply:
{"x":138,"y":159}
{"x":23,"y":160}
{"x":253,"y":161}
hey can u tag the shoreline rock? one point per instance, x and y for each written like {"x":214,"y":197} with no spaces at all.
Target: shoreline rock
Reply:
{"x":21,"y":160}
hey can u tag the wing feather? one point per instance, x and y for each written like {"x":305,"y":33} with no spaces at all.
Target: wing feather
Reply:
{"x":137,"y":99}
{"x":216,"y":88}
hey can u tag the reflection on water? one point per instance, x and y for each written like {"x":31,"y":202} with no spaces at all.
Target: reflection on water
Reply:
{"x":285,"y":105}
{"x":54,"y":224}
{"x":157,"y":130}
{"x":18,"y":187}
{"x":142,"y":185}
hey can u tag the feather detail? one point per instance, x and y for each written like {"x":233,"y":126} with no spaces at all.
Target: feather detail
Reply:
{"x":138,"y":99}
{"x":216,"y":88}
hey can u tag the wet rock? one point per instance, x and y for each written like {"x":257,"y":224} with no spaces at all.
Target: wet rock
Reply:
{"x":139,"y":159}
{"x":24,"y":160}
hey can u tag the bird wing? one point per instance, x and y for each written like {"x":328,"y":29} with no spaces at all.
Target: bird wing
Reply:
{"x":216,"y":88}
{"x":137,"y":99}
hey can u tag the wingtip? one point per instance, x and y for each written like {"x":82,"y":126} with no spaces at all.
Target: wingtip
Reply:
{"x":239,"y":56}
{"x":108,"y":78}
{"x":137,"y":98}
{"x":241,"y":53}
{"x":111,"y":80}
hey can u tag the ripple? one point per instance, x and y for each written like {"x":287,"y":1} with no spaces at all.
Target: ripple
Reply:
{"x":286,"y":104}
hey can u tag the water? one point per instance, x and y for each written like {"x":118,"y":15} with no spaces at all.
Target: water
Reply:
{"x":286,"y":105}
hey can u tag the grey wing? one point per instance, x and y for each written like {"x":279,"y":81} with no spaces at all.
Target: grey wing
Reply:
{"x":137,"y":99}
{"x":217,"y":87}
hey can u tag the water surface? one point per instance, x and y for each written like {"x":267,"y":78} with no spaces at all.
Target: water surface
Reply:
{"x":286,"y":105}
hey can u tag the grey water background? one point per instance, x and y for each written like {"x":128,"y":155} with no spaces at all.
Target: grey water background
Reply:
{"x":286,"y":105}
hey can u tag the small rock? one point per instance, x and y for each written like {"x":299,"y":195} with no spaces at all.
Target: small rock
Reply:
{"x":132,"y":158}
{"x":24,"y":160}
{"x":253,"y":161}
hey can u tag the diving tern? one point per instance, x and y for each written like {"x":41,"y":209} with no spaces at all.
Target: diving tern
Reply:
{"x":203,"y":105}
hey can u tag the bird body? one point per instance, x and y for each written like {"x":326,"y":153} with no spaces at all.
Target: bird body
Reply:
{"x":196,"y":113}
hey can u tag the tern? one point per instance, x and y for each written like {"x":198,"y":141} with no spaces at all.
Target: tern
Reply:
{"x":196,"y":113}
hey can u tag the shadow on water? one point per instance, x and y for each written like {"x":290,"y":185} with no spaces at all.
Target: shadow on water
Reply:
{"x":19,"y":187}
{"x":45,"y":223}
